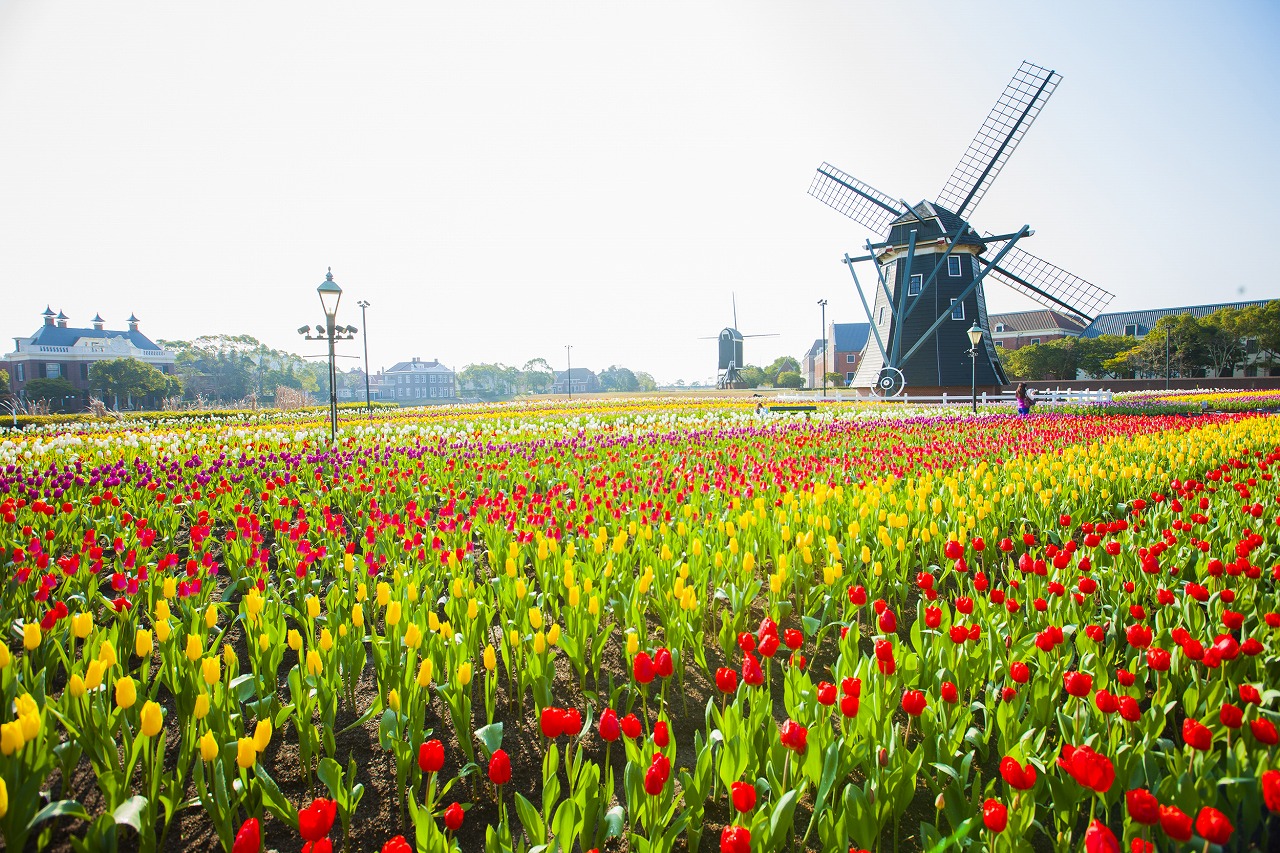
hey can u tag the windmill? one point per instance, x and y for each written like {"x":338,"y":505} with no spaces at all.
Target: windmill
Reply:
{"x":729,"y":350}
{"x":930,"y":267}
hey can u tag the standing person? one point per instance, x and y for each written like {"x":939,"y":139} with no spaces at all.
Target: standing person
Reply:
{"x":1025,"y":398}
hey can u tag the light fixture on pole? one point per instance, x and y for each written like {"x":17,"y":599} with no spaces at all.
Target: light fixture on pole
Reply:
{"x":823,"y":303}
{"x":364,"y":324}
{"x":568,"y":374}
{"x":975,"y":337}
{"x":330,"y":295}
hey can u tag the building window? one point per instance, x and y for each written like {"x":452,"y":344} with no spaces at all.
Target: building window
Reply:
{"x":913,"y":287}
{"x":1000,"y":327}
{"x":1000,"y":344}
{"x":84,"y":369}
{"x":848,"y":378}
{"x":957,"y":309}
{"x":22,"y":373}
{"x":1131,"y":330}
{"x":953,"y":266}
{"x":1251,"y":370}
{"x":851,"y":358}
{"x":1035,"y":341}
{"x":1251,"y":345}
{"x":52,"y":370}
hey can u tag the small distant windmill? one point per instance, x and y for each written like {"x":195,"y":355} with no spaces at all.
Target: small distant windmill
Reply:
{"x":729,"y":349}
{"x":932,"y":257}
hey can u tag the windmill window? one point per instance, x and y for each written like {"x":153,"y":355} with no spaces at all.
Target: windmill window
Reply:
{"x":1131,"y":330}
{"x":953,"y":266}
{"x":957,"y":309}
{"x":913,"y":287}
{"x":882,"y":316}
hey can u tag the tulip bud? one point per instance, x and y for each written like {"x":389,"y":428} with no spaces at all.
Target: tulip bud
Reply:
{"x":152,"y":719}
{"x":208,"y":746}
{"x":126,"y":692}
{"x":246,"y":755}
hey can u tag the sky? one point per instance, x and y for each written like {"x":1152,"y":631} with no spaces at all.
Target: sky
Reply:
{"x":502,"y":179}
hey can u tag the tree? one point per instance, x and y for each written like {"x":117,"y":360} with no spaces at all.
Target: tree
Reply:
{"x":50,"y":389}
{"x":790,"y":379}
{"x":490,"y":381}
{"x":751,"y":376}
{"x":615,"y":378}
{"x":782,"y":364}
{"x":1092,"y":354}
{"x":836,"y":379}
{"x":1039,"y":362}
{"x":4,"y":379}
{"x":125,"y":377}
{"x":537,"y":377}
{"x":647,"y":382}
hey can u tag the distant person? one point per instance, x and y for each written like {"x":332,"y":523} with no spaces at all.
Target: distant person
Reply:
{"x":1024,"y":398}
{"x":759,"y":409}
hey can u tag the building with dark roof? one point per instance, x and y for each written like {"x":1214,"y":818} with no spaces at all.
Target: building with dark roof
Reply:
{"x":1136,"y":324}
{"x":847,"y":341}
{"x":58,"y":350}
{"x":811,"y":363}
{"x":1017,"y":329}
{"x":415,"y":382}
{"x":579,"y":381}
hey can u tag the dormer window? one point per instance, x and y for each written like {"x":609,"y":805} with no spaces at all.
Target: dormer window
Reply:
{"x":1131,"y":330}
{"x":1000,"y":327}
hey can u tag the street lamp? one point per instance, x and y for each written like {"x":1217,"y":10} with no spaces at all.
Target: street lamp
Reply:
{"x":975,"y":337}
{"x":568,"y":374}
{"x":823,"y":303}
{"x":364,"y":324}
{"x":330,"y":296}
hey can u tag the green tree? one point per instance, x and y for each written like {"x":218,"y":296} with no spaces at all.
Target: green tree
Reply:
{"x":490,"y":381}
{"x":126,"y":378}
{"x":1039,"y":362}
{"x":1092,"y":354}
{"x":646,"y":382}
{"x":782,"y":364}
{"x":537,"y":377}
{"x":836,"y":379}
{"x":790,"y":379}
{"x":50,"y":389}
{"x":751,"y":376}
{"x":615,"y":378}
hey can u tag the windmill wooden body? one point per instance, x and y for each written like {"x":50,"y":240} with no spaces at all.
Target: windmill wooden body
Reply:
{"x":931,"y":266}
{"x":729,"y":355}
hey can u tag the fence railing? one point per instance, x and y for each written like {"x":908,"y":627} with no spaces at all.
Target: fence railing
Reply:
{"x":1042,"y":395}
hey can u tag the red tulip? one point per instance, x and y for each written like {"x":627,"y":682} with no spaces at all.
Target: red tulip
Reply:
{"x":655,"y":778}
{"x":1250,"y":694}
{"x":552,"y":723}
{"x":431,"y":756}
{"x":571,"y":719}
{"x":1088,"y":768}
{"x":1139,"y":636}
{"x":857,"y":595}
{"x":793,"y":638}
{"x":1019,"y":777}
{"x":949,"y":693}
{"x":735,"y":839}
{"x":249,"y":838}
{"x":995,"y":816}
{"x":1129,"y":709}
{"x":726,"y":680}
{"x":1019,"y":672}
{"x":747,"y":642}
{"x":1196,"y":734}
{"x":793,"y":736}
{"x":932,"y":617}
{"x":631,"y":726}
{"x":610,"y":730}
{"x":1231,"y":716}
{"x":914,"y":702}
{"x":453,"y":817}
{"x":888,"y":622}
{"x":1271,"y":790}
{"x":959,"y":634}
{"x":1143,"y":806}
{"x":1077,"y":683}
{"x":1264,"y":731}
{"x":661,"y":735}
{"x":499,"y":768}
{"x":1213,"y":826}
{"x":315,"y":821}
{"x":396,"y":844}
{"x":752,"y":674}
{"x":849,"y":706}
{"x":662,"y":663}
{"x":826,"y":693}
{"x":1106,"y":702}
{"x":769,"y":645}
{"x":744,"y":796}
{"x":1099,"y":839}
{"x":1158,"y":659}
{"x":642,"y":668}
{"x":1176,"y":823}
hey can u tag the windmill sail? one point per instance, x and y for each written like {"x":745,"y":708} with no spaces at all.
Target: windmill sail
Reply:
{"x":1046,"y":283}
{"x":859,"y":201}
{"x":999,"y":135}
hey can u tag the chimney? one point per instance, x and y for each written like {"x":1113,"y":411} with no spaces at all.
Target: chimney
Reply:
{"x":98,"y":322}
{"x":48,"y":316}
{"x":133,"y":323}
{"x":415,"y":359}
{"x":62,"y":320}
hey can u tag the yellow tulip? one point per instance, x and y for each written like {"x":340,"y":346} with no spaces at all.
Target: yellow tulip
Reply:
{"x":93,"y":676}
{"x":633,"y":643}
{"x":11,"y":739}
{"x":535,"y":618}
{"x":326,"y":639}
{"x":202,"y":706}
{"x":208,"y":746}
{"x":126,"y":692}
{"x":574,"y":596}
{"x":362,"y":592}
{"x":211,"y":669}
{"x":295,"y":639}
{"x":457,"y":588}
{"x":264,"y":642}
{"x":393,"y":700}
{"x":539,"y":643}
{"x":170,"y":588}
{"x":315,"y":665}
{"x":357,"y":616}
{"x":195,"y":649}
{"x":473,"y":609}
{"x":446,"y":631}
{"x":522,"y":588}
{"x":490,"y":658}
{"x":464,"y":673}
{"x":246,"y":755}
{"x":553,"y":635}
{"x":76,"y":686}
{"x":348,"y":562}
{"x":211,"y":616}
{"x":81,"y":625}
{"x":342,"y":632}
{"x":228,"y":655}
{"x":163,"y":630}
{"x":4,"y":798}
{"x":393,"y":614}
{"x":152,"y":719}
{"x":424,"y":673}
{"x":433,"y":621}
{"x":142,"y":643}
{"x":30,"y":635}
{"x":4,"y":656}
{"x":262,"y":735}
{"x":384,"y":594}
{"x":253,"y":602}
{"x":411,"y":592}
{"x":107,"y":654}
{"x":313,"y":606}
{"x":413,"y":635}
{"x":514,"y":637}
{"x":593,"y":606}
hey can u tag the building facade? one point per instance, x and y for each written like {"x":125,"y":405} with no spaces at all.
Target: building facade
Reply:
{"x":418,"y":382}
{"x":1015,"y":329}
{"x":58,"y":350}
{"x":583,"y":381}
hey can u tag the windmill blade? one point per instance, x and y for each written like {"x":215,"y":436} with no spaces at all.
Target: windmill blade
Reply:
{"x":1050,"y":285}
{"x":861,"y":202}
{"x":771,"y":335}
{"x":999,"y":135}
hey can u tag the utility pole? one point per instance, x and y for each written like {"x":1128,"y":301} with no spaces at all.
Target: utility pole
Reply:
{"x":1167,"y":373}
{"x":568,"y":374}
{"x":823,"y":303}
{"x":364,"y":324}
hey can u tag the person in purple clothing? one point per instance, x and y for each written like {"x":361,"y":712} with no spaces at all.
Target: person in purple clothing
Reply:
{"x":1024,"y":398}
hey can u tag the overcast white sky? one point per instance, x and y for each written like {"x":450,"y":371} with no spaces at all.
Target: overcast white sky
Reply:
{"x":502,"y":179}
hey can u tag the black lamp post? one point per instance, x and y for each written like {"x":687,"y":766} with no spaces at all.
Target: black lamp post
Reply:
{"x":975,"y":337}
{"x":330,"y":295}
{"x":823,"y":303}
{"x":364,"y":324}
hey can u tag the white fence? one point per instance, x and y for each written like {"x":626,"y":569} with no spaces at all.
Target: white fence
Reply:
{"x":1042,"y":395}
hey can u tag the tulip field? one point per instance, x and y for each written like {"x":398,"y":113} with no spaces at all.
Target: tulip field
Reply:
{"x":646,"y":625}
